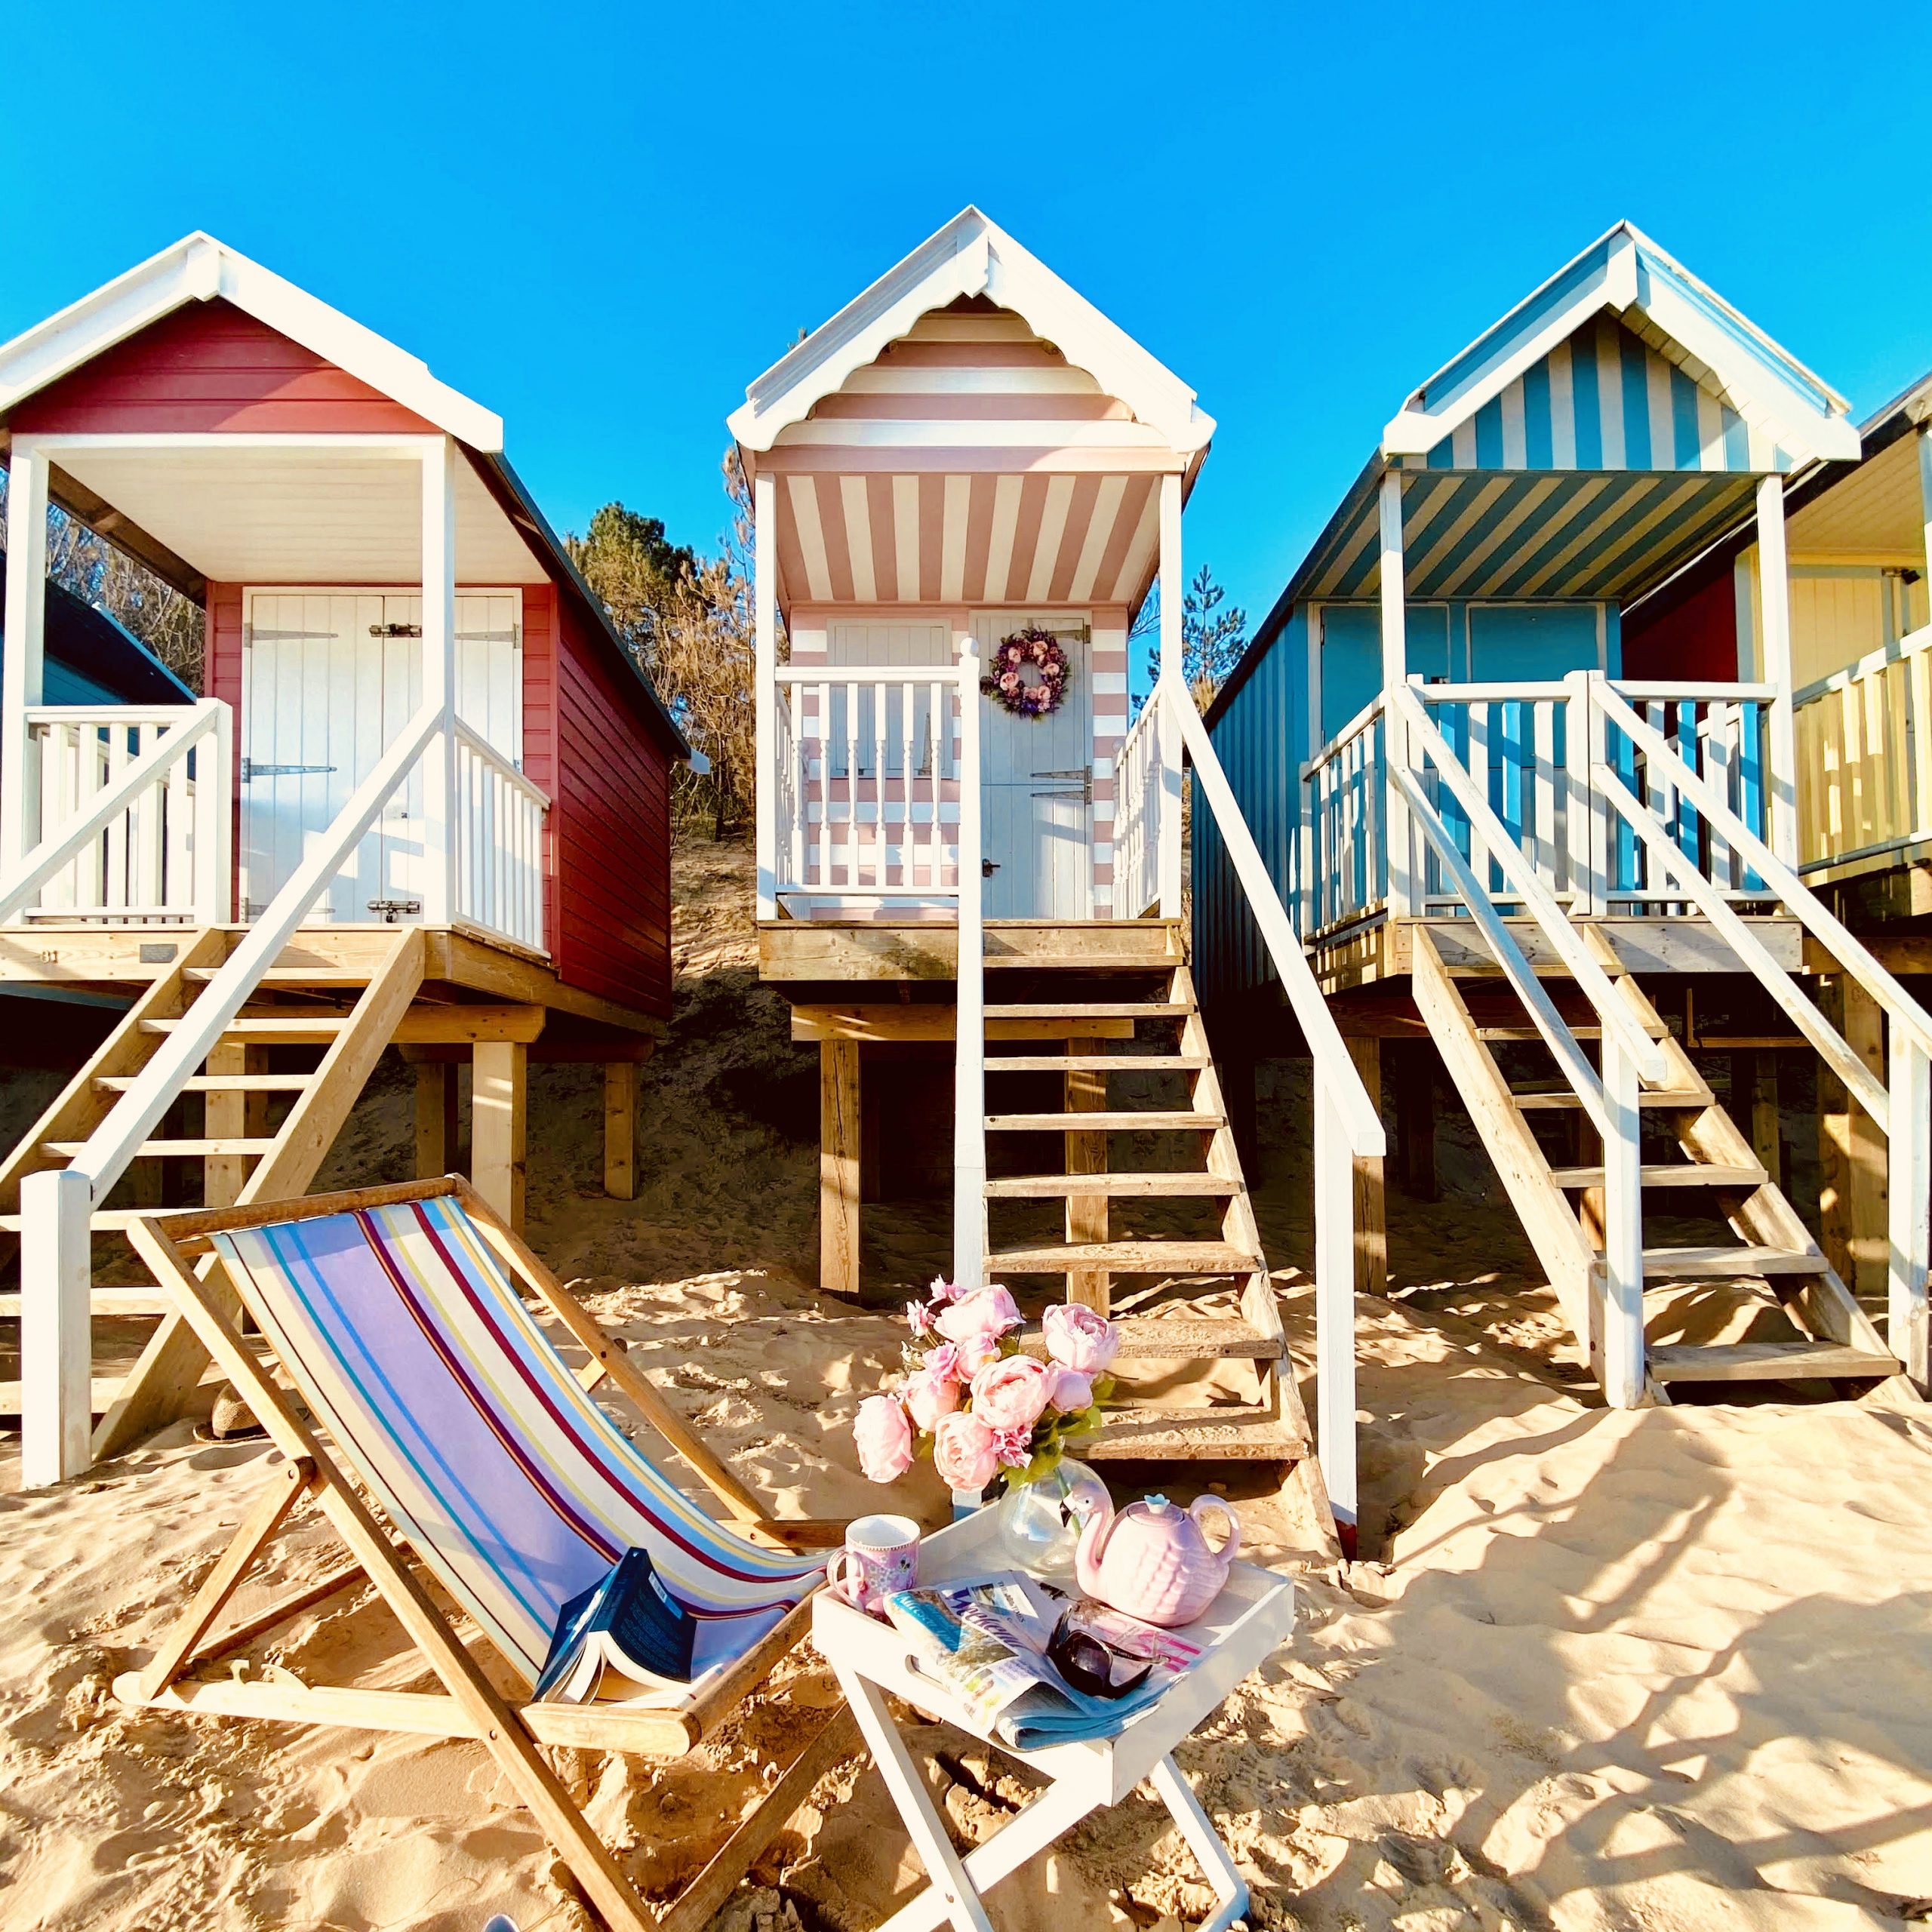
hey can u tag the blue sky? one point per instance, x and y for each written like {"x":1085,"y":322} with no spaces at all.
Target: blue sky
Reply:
{"x":603,"y":228}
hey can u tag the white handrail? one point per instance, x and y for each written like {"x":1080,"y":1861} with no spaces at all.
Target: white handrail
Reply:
{"x":1354,"y":728}
{"x":1509,"y":955}
{"x":60,"y":848}
{"x":1900,"y":1006}
{"x":504,"y":768}
{"x":1555,"y":925}
{"x":134,"y":1116}
{"x":1748,"y":946}
{"x":1334,"y":1067}
{"x":1676,"y":691}
{"x":969,"y":1093}
{"x":1897,"y":652}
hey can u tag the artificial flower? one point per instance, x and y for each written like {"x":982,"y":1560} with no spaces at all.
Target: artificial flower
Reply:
{"x":884,"y":1439}
{"x":1011,"y":1393}
{"x":963,"y":1452}
{"x":1079,"y":1337}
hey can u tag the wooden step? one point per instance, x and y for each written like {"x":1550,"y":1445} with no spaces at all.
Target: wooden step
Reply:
{"x":1128,"y":1009}
{"x":294,"y":1030}
{"x":295,"y":976}
{"x":1098,"y":1063}
{"x":1657,"y":1031}
{"x":100,"y":1396}
{"x":1157,"y":1186}
{"x":1764,"y":1361}
{"x":1183,"y":1338}
{"x":1701,"y":1264}
{"x":1126,"y":1257}
{"x":1103,"y":1123}
{"x":113,"y":1304}
{"x":218,"y":1083}
{"x":1225,"y":1435}
{"x":1681,"y":1097}
{"x":1675,"y":1174}
{"x":68,"y":1149}
{"x":103,"y":1221}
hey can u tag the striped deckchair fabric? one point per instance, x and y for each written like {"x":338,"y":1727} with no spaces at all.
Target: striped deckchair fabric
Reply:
{"x":410,"y":1344}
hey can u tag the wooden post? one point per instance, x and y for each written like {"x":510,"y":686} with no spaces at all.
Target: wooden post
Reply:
{"x":1774,"y":592}
{"x":1087,"y":1219}
{"x":1371,"y":1221}
{"x":21,"y":663}
{"x":1753,"y":1098}
{"x":439,"y":800}
{"x":969,"y":1084}
{"x":225,"y":1117}
{"x":839,"y":1140}
{"x":1172,"y":689}
{"x":1622,"y":1371}
{"x":1412,"y":1065}
{"x":620,"y":1129}
{"x":57,"y":1332}
{"x":435,"y":1118}
{"x":498,"y":1080}
{"x":1238,"y":1071}
{"x":764,"y":685}
{"x":1852,"y":1192}
{"x":1909,"y":1179}
{"x":1397,"y":832}
{"x":1335,"y":1313}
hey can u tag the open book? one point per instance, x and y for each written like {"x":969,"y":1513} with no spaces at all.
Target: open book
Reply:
{"x":983,"y":1640}
{"x":628,"y":1638}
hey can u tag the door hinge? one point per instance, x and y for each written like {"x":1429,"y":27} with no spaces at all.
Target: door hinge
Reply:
{"x":250,"y":769}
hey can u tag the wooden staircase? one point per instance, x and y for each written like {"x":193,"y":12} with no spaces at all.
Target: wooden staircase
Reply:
{"x":1772,"y":1258}
{"x":1154,"y":1282}
{"x":245,"y":1158}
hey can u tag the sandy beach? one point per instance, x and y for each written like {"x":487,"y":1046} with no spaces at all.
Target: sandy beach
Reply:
{"x":1665,"y":1670}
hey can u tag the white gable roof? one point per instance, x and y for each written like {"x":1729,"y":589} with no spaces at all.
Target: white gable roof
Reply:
{"x":198,"y":268}
{"x":970,"y":256}
{"x":1626,"y":271}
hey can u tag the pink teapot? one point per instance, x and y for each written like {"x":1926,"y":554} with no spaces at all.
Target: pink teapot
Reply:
{"x":1152,"y":1559}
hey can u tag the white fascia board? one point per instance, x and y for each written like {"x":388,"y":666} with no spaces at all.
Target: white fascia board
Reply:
{"x":198,"y":268}
{"x":970,"y":256}
{"x":1416,"y":428}
{"x":1757,"y":382}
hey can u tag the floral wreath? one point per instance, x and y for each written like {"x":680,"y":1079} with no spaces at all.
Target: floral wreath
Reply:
{"x":1041,"y":649}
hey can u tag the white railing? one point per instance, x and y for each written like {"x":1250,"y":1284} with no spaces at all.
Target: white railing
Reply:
{"x":498,"y":862}
{"x":1865,"y":757}
{"x":1138,"y":794}
{"x":133,"y":809}
{"x":1528,"y":750}
{"x":1344,"y":858}
{"x":1348,"y":1124}
{"x":867,"y":781}
{"x":1902,"y":1108}
{"x":56,"y":1352}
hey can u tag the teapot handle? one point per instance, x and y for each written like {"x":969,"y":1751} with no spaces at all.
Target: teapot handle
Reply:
{"x":1232,"y":1548}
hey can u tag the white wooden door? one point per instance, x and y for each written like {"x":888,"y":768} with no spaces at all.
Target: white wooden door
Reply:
{"x":1036,"y":788}
{"x":330,"y":678}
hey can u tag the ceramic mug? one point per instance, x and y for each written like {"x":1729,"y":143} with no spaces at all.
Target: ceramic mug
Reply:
{"x":880,"y":1555}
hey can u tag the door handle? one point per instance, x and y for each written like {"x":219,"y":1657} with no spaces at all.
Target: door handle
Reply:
{"x":988,"y":867}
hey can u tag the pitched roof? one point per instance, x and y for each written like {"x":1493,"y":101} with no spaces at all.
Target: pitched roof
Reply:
{"x":198,"y":268}
{"x":970,"y":256}
{"x":1625,"y":271}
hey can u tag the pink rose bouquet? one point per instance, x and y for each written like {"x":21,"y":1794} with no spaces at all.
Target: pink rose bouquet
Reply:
{"x":978,"y":1403}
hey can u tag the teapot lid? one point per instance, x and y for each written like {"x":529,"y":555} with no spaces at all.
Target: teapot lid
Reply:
{"x":1157,"y":1505}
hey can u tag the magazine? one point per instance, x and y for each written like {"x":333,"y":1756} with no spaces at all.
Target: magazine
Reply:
{"x":627,"y":1639}
{"x":983,"y":1640}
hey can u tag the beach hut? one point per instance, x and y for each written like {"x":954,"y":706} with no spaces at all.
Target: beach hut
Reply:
{"x":966,"y":484}
{"x":423,"y":798}
{"x":1517,"y":823}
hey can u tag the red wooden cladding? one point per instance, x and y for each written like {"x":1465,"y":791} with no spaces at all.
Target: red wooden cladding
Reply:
{"x":210,"y":366}
{"x":1695,"y":638}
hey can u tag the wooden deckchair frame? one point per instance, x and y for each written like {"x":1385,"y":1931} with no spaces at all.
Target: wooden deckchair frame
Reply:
{"x":469,"y":1705}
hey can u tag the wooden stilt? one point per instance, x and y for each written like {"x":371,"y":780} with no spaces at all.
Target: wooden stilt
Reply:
{"x":435,"y":1118}
{"x":497,"y":1111}
{"x":1085,"y":1091}
{"x":1371,"y":1217}
{"x":1767,"y":1135}
{"x":1852,"y":1195}
{"x":839,"y":1141}
{"x":1238,"y":1074}
{"x":620,"y":1129}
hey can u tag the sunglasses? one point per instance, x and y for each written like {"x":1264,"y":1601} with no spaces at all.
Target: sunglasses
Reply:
{"x":1089,"y":1665}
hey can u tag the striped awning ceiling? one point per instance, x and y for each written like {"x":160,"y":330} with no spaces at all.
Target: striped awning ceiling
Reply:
{"x":969,"y":463}
{"x":1485,"y":534}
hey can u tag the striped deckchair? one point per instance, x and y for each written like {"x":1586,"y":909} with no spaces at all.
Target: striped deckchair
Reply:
{"x":397,"y":1316}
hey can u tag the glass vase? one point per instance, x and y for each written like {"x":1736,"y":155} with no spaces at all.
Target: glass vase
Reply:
{"x":1039,"y":1529}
